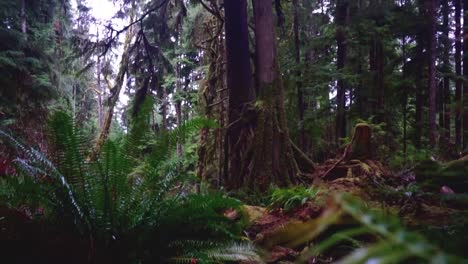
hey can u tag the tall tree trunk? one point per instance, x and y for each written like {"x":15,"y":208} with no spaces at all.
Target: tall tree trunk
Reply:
{"x":342,"y":10}
{"x":178,"y":106}
{"x":464,"y":95}
{"x":376,"y":65}
{"x":431,"y":38}
{"x":240,"y":89}
{"x":300,"y":93}
{"x":418,"y":116}
{"x":24,"y":28}
{"x":458,"y":72}
{"x":162,"y":97}
{"x":405,"y":99}
{"x":114,"y":95}
{"x":99,"y":93}
{"x":272,"y":156}
{"x":447,"y":70}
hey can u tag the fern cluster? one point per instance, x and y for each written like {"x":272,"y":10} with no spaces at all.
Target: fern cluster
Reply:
{"x":290,"y":198}
{"x":136,"y":205}
{"x":387,"y":240}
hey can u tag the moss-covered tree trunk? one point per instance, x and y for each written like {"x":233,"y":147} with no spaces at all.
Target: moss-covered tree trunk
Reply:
{"x":270,"y":159}
{"x":115,"y":92}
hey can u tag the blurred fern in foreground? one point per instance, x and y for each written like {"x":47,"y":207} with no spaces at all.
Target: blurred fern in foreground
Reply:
{"x":385,"y":240}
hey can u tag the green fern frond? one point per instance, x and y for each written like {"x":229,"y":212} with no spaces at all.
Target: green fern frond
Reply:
{"x":209,"y":252}
{"x":393,"y":244}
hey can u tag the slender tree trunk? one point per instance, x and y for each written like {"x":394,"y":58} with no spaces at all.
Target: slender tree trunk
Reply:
{"x":178,"y":106}
{"x":405,"y":100}
{"x":342,"y":10}
{"x":431,"y":18}
{"x":240,"y":89}
{"x":376,"y":65}
{"x":300,"y":93}
{"x":24,"y":28}
{"x":162,"y":96}
{"x":115,"y":92}
{"x":440,"y":106}
{"x":99,"y":93}
{"x":447,"y":70}
{"x":458,"y":72}
{"x":418,"y":116}
{"x":464,"y":95}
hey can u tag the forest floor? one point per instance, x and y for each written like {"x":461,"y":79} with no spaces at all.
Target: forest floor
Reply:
{"x":287,"y":234}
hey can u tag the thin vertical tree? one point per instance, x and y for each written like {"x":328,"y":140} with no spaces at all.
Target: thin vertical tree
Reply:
{"x":430,"y":7}
{"x":299,"y":89}
{"x":458,"y":72}
{"x":24,"y":28}
{"x":445,"y":100}
{"x":342,"y":10}
{"x":464,"y":94}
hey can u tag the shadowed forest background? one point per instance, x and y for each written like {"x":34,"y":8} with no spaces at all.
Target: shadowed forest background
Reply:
{"x":235,"y":131}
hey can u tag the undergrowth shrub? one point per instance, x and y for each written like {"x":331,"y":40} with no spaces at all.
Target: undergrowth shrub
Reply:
{"x":137,"y":206}
{"x":290,"y":198}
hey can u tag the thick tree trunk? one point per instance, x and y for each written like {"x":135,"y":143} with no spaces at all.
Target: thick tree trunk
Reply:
{"x":342,"y":10}
{"x":458,"y":72}
{"x":271,"y":158}
{"x":240,"y":89}
{"x":431,"y":19}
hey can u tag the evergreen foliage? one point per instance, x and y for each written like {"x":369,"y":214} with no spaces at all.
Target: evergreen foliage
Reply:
{"x":120,"y":202}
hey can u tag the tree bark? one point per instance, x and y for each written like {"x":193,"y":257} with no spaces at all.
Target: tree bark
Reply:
{"x":99,"y":92}
{"x":114,"y":95}
{"x":342,"y":10}
{"x":431,"y":19}
{"x":240,"y":89}
{"x":24,"y":28}
{"x":464,"y":95}
{"x":178,"y":105}
{"x":418,"y":116}
{"x":447,"y":70}
{"x":300,"y":93}
{"x":272,"y":160}
{"x":458,"y":72}
{"x":376,"y":65}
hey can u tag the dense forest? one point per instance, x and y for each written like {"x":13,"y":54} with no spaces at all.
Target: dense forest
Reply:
{"x":233,"y":131}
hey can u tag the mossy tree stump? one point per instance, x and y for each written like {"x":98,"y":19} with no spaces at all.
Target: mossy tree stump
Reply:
{"x":359,"y":149}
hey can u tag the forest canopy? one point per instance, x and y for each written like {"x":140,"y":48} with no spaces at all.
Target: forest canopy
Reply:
{"x":222,"y":131}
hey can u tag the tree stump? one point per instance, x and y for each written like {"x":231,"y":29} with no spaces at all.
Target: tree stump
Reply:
{"x":360,"y":146}
{"x":358,"y":149}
